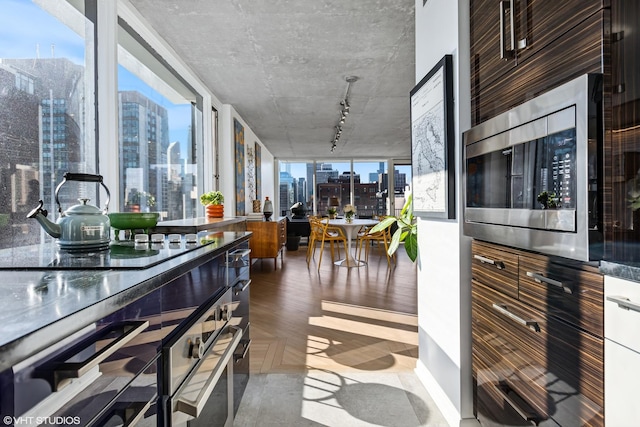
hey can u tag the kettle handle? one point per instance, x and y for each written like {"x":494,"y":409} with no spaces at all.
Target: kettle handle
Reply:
{"x":86,"y":177}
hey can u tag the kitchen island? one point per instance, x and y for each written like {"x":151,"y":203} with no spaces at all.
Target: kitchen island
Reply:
{"x":48,"y":298}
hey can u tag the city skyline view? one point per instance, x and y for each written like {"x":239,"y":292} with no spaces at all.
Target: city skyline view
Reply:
{"x":46,"y":37}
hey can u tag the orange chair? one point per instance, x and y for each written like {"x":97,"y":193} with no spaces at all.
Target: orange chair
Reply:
{"x":322,"y":232}
{"x":382,"y":238}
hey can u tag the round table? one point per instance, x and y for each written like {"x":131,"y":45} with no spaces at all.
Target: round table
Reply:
{"x":349,"y":227}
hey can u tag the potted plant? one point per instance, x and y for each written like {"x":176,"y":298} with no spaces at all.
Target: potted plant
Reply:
{"x":213,"y":203}
{"x":332,"y":212}
{"x":349,"y":212}
{"x":407,"y":231}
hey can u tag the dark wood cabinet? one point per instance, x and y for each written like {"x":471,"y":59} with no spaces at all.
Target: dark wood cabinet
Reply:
{"x":538,"y":352}
{"x":622,"y":167}
{"x":521,"y":48}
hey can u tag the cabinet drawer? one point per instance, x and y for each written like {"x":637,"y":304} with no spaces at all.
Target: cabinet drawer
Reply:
{"x":542,"y":366}
{"x":622,"y":312}
{"x":495,"y":267}
{"x":621,"y":384}
{"x":573,"y":295}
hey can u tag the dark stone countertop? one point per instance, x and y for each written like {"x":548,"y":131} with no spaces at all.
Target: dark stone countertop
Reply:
{"x":626,"y":270}
{"x":41,"y":307}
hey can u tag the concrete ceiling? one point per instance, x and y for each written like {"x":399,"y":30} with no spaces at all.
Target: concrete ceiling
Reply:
{"x":283,"y":65}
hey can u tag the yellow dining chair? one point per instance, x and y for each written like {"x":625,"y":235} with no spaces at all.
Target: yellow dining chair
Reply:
{"x":322,"y":231}
{"x":382,"y":238}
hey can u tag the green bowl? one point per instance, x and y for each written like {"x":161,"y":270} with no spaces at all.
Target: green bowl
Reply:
{"x":133,"y":220}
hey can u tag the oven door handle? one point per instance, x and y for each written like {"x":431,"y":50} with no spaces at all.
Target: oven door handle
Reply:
{"x":193,"y":407}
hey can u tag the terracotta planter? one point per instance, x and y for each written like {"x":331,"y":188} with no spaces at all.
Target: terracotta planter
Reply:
{"x":215,"y":211}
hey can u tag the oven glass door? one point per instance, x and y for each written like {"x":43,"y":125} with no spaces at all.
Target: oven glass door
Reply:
{"x":206,"y":397}
{"x":513,"y":176}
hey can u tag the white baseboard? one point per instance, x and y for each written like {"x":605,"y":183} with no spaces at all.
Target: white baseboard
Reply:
{"x":449,"y":411}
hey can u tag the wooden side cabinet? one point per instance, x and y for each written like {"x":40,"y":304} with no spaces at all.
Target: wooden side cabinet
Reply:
{"x":268,"y":239}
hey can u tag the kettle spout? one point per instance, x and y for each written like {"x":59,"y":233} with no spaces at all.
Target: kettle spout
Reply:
{"x":53,"y":229}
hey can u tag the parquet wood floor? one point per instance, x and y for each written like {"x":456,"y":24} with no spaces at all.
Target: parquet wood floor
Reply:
{"x":337,"y":319}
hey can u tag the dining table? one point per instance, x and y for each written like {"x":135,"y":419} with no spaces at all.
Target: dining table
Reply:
{"x":349,"y":227}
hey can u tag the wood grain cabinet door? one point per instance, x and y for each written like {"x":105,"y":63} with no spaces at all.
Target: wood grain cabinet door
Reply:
{"x":541,"y":369}
{"x":495,"y":267}
{"x":574,"y":295}
{"x":492,"y":51}
{"x":540,"y":23}
{"x":547,"y":43}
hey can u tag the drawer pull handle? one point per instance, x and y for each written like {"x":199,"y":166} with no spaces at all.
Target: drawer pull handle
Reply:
{"x":518,"y":403}
{"x":539,"y":278}
{"x":240,"y":253}
{"x":531,"y":324}
{"x":625,"y":303}
{"x":130,"y":412}
{"x":498,"y":264}
{"x":65,"y":371}
{"x":241,"y":286}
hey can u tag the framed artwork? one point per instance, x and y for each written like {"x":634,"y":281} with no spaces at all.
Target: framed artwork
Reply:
{"x":432,"y":139}
{"x":258,"y":154}
{"x":238,"y":137}
{"x":251,"y":173}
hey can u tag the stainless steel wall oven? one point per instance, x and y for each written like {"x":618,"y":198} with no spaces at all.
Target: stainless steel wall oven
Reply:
{"x":532,"y":174}
{"x":200,"y":356}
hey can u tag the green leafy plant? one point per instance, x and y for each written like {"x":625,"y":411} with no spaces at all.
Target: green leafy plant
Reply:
{"x":332,"y":211}
{"x":212,"y":198}
{"x":349,"y":211}
{"x":407,"y":231}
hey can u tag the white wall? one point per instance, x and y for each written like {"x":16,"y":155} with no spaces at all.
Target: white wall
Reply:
{"x":444,"y":306}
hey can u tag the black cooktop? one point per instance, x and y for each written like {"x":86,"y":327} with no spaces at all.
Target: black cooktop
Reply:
{"x":124,"y":254}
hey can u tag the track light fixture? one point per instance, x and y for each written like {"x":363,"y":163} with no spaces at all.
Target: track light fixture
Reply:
{"x":344,"y":112}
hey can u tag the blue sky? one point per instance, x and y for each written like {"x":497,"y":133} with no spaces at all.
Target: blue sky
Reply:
{"x":26,"y":29}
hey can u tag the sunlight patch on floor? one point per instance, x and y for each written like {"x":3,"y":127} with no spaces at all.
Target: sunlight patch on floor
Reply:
{"x":373,"y":331}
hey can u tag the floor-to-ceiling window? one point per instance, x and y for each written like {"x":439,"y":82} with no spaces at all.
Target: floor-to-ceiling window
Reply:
{"x":322,"y":185}
{"x":402,"y":185}
{"x":46,"y":112}
{"x":370,"y":188}
{"x":160,"y":130}
{"x":295,"y":185}
{"x":333,"y":185}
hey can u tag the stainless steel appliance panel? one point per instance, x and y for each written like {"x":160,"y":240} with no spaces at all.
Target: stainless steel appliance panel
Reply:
{"x":547,"y":145}
{"x":240,"y":282}
{"x":184,"y":352}
{"x":198,"y":363}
